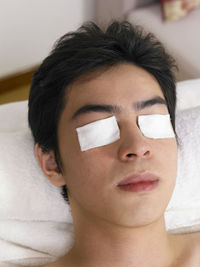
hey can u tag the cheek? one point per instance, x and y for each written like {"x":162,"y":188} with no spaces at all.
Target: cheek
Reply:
{"x":171,"y":153}
{"x":167,"y":154}
{"x":86,"y":171}
{"x":166,"y":164}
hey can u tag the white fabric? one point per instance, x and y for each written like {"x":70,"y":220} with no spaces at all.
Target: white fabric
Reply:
{"x":156,"y":126}
{"x":13,"y":116}
{"x":98,"y":133}
{"x":181,"y":38}
{"x":188,"y":94}
{"x":36,"y":225}
{"x":35,"y":222}
{"x":183,"y":211}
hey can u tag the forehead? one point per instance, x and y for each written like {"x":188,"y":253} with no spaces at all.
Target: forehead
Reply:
{"x":115,"y":82}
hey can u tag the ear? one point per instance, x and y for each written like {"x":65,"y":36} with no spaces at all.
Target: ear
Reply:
{"x":49,"y":166}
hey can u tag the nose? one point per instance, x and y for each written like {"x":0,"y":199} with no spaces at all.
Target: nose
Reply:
{"x":133,"y":145}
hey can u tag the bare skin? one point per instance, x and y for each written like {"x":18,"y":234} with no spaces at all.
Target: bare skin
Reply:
{"x":115,"y":228}
{"x":187,"y":247}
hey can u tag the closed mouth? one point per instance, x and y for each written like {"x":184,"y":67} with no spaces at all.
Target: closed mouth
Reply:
{"x":138,"y":178}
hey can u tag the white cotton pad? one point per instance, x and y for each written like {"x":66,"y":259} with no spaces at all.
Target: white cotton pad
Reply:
{"x":98,"y":133}
{"x":156,"y":126}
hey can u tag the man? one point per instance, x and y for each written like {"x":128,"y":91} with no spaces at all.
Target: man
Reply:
{"x":93,"y":105}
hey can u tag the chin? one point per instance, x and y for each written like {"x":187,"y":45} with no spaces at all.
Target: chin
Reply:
{"x":136,"y":218}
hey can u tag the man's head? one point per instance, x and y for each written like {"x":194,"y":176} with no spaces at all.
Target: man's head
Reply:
{"x":118,"y":66}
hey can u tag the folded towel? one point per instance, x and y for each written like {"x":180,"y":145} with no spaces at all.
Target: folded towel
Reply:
{"x":36,"y":225}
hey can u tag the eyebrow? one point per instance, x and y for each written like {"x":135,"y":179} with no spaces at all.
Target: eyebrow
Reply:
{"x":113,"y":109}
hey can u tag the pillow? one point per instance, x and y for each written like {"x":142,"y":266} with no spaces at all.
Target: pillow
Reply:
{"x":176,"y":9}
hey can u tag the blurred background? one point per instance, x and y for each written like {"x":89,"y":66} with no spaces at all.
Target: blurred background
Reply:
{"x":29,"y":28}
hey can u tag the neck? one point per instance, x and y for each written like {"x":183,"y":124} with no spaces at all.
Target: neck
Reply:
{"x":99,"y":243}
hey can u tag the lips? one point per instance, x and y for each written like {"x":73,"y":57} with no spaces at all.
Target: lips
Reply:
{"x":138,"y":178}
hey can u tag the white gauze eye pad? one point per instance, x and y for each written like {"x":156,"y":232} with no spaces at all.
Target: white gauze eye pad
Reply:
{"x":156,"y":126}
{"x":98,"y":133}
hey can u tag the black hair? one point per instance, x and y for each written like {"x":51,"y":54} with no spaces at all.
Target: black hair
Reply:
{"x":81,"y":52}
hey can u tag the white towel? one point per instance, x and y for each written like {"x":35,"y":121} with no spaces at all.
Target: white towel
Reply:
{"x":183,"y":211}
{"x":36,"y":226}
{"x":188,"y":94}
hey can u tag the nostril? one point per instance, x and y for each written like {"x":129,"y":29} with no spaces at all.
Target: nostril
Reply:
{"x":142,"y":153}
{"x":147,"y":153}
{"x":129,"y":155}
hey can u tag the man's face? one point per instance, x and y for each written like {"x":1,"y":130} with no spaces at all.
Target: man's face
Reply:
{"x":92,"y":176}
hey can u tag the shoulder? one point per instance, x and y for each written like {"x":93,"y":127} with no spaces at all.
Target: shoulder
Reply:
{"x":193,"y":247}
{"x":194,"y":240}
{"x":197,"y":241}
{"x":187,"y":249}
{"x":53,"y":264}
{"x":61,"y":262}
{"x":56,"y":263}
{"x":191,"y":241}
